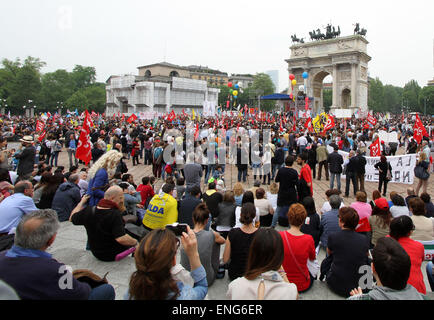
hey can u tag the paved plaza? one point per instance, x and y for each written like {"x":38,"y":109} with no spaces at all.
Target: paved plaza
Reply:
{"x":69,"y":246}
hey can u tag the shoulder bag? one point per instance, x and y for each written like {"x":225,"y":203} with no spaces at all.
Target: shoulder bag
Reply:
{"x":295,"y":260}
{"x":420,"y":172}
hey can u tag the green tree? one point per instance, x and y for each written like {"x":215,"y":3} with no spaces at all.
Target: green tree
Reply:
{"x":426,"y":97}
{"x":262,"y":86}
{"x":376,"y":95}
{"x":96,"y":97}
{"x":410,"y":96}
{"x":77,"y":101}
{"x":392,"y":99}
{"x":83,"y":76}
{"x":57,"y":86}
{"x":327,"y":99}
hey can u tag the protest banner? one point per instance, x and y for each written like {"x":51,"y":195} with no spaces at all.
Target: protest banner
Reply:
{"x":402,"y":167}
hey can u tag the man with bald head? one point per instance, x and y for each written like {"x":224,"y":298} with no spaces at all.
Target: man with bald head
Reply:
{"x":104,"y":225}
{"x":14,"y":207}
{"x":33,"y":273}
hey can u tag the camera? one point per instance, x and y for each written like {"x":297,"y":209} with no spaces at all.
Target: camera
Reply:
{"x":177,"y":228}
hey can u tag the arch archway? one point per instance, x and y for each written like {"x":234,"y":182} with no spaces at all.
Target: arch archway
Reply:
{"x":174,"y":74}
{"x":346,"y":98}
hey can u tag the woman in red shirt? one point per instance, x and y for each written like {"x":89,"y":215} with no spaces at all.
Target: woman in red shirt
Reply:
{"x":146,"y":191}
{"x":305,"y":172}
{"x":401,"y":229}
{"x":298,"y":248}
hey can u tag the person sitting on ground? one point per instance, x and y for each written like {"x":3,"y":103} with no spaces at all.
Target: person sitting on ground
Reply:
{"x":238,"y":241}
{"x":266,"y":211}
{"x":180,"y":188}
{"x":83,"y":183}
{"x":66,"y":198}
{"x":326,"y":207}
{"x":155,"y":258}
{"x":13,"y":208}
{"x":298,"y":249}
{"x":429,"y":206}
{"x":208,"y":244}
{"x":238,"y":193}
{"x":34,"y":274}
{"x":39,"y":187}
{"x":401,"y":229}
{"x":399,"y":207}
{"x":312,"y":223}
{"x":256,"y":185}
{"x":162,"y":209}
{"x":187,"y":206}
{"x":424,"y":227}
{"x":272,"y":195}
{"x":264,"y":265}
{"x":364,"y":210}
{"x":104,"y":225}
{"x":391,"y":267}
{"x":132,"y":199}
{"x":226,"y":217}
{"x":212,"y":198}
{"x":349,"y":250}
{"x":376,"y":195}
{"x":47,"y":195}
{"x":146,"y":191}
{"x":247,"y":198}
{"x":410,"y":194}
{"x":380,"y":220}
{"x":330,"y":221}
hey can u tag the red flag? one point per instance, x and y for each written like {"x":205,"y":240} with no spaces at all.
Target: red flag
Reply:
{"x":171,"y":116}
{"x":419,"y":130}
{"x":132,"y":118}
{"x":330,"y":124}
{"x":39,"y":126}
{"x":376,"y":148}
{"x":196,"y":133}
{"x":123,"y":117}
{"x":308,"y":125}
{"x":371,"y":119}
{"x":42,"y":136}
{"x":84,"y":144}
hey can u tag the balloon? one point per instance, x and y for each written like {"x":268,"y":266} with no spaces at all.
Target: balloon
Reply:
{"x":291,"y":96}
{"x":294,"y":82}
{"x":235,"y":92}
{"x":235,"y":97}
{"x":231,"y":90}
{"x":230,"y":84}
{"x":291,"y":77}
{"x":237,"y":86}
{"x":305,"y":75}
{"x":301,"y":88}
{"x":306,"y":99}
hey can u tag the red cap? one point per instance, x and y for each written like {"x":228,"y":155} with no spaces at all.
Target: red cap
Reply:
{"x":382,"y":203}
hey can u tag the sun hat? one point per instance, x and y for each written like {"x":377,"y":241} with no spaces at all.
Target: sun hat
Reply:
{"x":27,"y":139}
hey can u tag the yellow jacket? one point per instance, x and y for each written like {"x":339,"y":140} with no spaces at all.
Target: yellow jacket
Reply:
{"x":162,"y":210}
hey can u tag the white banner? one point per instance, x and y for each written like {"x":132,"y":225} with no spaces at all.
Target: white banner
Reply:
{"x":402,"y":167}
{"x":388,"y":137}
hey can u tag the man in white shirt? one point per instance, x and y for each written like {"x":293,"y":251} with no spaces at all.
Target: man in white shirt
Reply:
{"x":301,"y":144}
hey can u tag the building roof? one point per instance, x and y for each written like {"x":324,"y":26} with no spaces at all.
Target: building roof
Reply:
{"x":164,"y":64}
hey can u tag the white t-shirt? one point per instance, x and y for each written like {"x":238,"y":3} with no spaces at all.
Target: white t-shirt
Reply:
{"x":273,"y":200}
{"x":264,"y":206}
{"x":238,"y":224}
{"x":397,"y":211}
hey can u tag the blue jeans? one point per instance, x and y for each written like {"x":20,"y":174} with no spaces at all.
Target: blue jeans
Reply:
{"x":243,"y":173}
{"x":274,"y":169}
{"x":280,"y":212}
{"x":332,"y":180}
{"x":54,"y":157}
{"x":102,"y":292}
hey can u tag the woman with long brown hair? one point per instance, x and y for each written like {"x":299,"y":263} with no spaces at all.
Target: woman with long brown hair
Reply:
{"x":264,"y":277}
{"x":155,"y":257}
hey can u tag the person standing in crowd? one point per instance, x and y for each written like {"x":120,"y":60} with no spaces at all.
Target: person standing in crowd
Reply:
{"x":351,"y":173}
{"x":335,"y":162}
{"x":238,"y":242}
{"x":5,"y":154}
{"x":192,"y":173}
{"x":278,"y":160}
{"x":305,"y":177}
{"x":321,"y":158}
{"x":360,"y":170}
{"x":26,"y":158}
{"x":33,"y":273}
{"x":208,"y":244}
{"x":401,"y":229}
{"x":264,"y":268}
{"x":385,"y":170}
{"x":287,"y":177}
{"x":71,"y":145}
{"x":423,"y":181}
{"x":311,"y":159}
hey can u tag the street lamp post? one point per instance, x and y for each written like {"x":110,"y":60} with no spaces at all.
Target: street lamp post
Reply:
{"x":425,"y":99}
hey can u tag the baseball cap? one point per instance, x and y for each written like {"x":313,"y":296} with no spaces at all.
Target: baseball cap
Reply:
{"x":381,"y":203}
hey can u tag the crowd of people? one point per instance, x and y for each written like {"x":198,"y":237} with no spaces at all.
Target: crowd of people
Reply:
{"x":378,"y":232}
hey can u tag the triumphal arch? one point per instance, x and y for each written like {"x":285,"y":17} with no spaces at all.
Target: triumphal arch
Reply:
{"x":345,"y":59}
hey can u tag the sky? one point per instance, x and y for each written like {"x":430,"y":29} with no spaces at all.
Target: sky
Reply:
{"x":239,"y":36}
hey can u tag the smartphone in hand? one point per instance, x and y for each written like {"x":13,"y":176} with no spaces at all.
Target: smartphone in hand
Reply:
{"x":177,"y":228}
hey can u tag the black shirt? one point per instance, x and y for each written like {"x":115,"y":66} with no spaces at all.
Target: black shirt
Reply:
{"x":288,"y":185}
{"x":350,"y":252}
{"x":102,"y":227}
{"x":311,"y":226}
{"x":186,"y":208}
{"x":212,"y":202}
{"x":240,"y":246}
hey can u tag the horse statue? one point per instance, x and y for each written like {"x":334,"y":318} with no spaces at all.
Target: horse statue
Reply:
{"x":294,"y":38}
{"x":357,"y":28}
{"x":363,"y":32}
